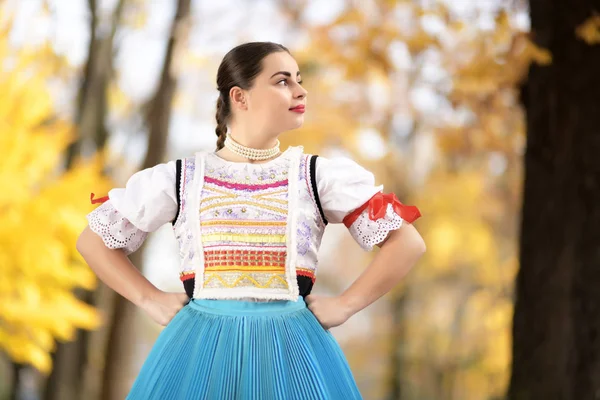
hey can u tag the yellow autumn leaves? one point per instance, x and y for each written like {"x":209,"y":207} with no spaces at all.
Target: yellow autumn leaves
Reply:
{"x":589,"y":30}
{"x":42,"y":208}
{"x":457,"y":301}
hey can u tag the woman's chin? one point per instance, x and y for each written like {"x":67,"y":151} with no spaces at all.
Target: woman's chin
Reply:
{"x":291,"y":125}
{"x":299,"y":121}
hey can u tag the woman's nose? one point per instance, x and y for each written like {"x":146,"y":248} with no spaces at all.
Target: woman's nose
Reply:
{"x":301,"y":93}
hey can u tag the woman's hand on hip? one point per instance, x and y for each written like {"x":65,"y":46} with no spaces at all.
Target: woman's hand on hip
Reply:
{"x":162,"y":306}
{"x":329,"y":311}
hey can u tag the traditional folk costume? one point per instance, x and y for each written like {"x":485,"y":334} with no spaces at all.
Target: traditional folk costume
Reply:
{"x":248,"y":239}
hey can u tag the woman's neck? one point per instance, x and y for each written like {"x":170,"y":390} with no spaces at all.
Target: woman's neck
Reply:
{"x":252,"y":138}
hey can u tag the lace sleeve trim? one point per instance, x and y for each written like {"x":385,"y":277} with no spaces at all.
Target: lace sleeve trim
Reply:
{"x":114,"y":229}
{"x":369,"y":233}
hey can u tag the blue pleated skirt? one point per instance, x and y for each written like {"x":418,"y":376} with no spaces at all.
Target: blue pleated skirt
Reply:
{"x":241,"y":350}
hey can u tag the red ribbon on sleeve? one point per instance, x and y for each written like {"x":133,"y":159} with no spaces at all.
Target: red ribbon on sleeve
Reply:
{"x":98,"y":200}
{"x":378,"y":206}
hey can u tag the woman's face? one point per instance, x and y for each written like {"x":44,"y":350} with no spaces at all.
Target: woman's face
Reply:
{"x":276,"y":100}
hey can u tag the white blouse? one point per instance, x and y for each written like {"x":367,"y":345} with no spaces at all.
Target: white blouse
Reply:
{"x":150,"y":199}
{"x":345,"y":186}
{"x":147,"y":202}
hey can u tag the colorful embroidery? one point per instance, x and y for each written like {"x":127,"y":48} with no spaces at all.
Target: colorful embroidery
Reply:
{"x":306,"y":272}
{"x":243,"y":221}
{"x":304,"y":237}
{"x":235,"y":279}
{"x":217,"y":259}
{"x":250,"y":246}
{"x":242,"y":186}
{"x":185,"y":275}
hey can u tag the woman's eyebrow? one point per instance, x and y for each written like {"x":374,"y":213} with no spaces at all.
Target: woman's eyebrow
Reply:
{"x":288,"y":74}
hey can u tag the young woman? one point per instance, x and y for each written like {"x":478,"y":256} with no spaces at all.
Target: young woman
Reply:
{"x":249,"y":221}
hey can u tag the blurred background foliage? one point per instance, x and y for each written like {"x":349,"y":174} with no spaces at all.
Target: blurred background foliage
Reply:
{"x":423,"y":93}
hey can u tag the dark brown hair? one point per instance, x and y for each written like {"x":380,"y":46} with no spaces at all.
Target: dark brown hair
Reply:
{"x":239,"y":68}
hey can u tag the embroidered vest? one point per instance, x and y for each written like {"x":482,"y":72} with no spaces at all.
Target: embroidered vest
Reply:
{"x":248,"y":230}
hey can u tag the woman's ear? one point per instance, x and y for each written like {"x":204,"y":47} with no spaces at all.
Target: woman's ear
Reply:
{"x":238,"y":98}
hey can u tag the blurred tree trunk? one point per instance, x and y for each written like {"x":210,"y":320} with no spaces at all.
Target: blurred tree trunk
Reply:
{"x":116,"y":383}
{"x":71,"y":359}
{"x":158,"y":110}
{"x":556,"y":347}
{"x":91,"y":107}
{"x":15,"y":380}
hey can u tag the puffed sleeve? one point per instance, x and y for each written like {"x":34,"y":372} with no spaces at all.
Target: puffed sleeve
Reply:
{"x":147,"y":202}
{"x":348,"y":195}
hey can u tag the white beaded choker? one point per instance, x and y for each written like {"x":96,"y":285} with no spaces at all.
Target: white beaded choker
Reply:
{"x":250,"y":153}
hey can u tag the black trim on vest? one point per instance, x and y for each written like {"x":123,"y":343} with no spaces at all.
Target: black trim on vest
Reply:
{"x":313,"y":184}
{"x":178,"y":166}
{"x":188,"y":285}
{"x":305,"y":284}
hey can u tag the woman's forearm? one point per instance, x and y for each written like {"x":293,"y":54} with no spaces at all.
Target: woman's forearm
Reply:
{"x":114,"y":268}
{"x":397,"y":256}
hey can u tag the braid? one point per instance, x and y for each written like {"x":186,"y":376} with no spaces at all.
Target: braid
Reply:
{"x":221,"y":129}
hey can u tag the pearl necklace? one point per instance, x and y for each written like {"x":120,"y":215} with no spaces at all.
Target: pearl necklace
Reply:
{"x":250,"y":153}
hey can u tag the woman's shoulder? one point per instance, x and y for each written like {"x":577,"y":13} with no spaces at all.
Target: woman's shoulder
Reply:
{"x":341,"y":168}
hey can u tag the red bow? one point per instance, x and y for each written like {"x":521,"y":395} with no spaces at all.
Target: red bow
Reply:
{"x":378,"y":206}
{"x":98,"y":200}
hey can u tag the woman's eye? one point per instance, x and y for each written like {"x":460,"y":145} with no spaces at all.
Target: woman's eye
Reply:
{"x":286,"y":82}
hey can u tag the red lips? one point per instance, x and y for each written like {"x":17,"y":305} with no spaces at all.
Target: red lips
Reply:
{"x":299,"y":109}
